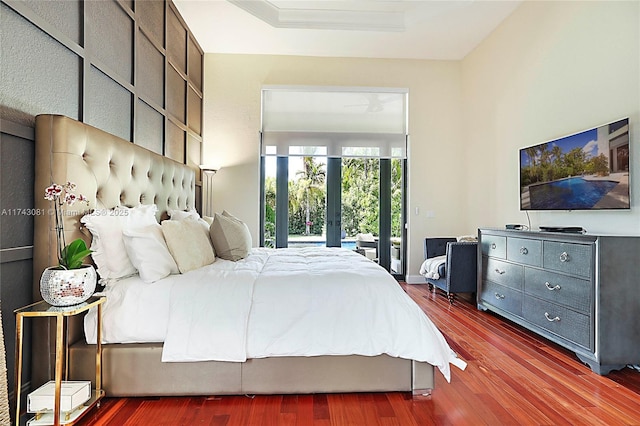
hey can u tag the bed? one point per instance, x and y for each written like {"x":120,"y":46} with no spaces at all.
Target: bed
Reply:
{"x":112,"y":172}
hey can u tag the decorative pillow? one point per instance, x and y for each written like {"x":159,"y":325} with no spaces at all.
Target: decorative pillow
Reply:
{"x":183,"y":214}
{"x":230,"y":237}
{"x":148,"y":252}
{"x":191,"y":214}
{"x":109,"y":252}
{"x":188,"y":245}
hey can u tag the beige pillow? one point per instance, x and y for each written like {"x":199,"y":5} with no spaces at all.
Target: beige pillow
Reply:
{"x":188,"y":245}
{"x":230,"y":237}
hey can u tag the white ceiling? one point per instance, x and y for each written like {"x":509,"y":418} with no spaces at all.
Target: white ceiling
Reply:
{"x":417,"y":29}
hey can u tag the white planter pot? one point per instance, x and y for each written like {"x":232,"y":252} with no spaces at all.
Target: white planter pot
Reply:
{"x":66,"y":287}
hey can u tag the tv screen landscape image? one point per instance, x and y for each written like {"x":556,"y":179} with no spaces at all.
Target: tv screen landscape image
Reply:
{"x":584,"y":171}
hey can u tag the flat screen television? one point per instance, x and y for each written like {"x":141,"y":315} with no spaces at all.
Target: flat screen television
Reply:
{"x":588,"y":170}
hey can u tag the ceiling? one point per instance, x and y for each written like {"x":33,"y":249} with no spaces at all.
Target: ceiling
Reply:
{"x":417,"y":29}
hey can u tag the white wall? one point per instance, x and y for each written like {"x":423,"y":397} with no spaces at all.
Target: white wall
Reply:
{"x":436,"y":149}
{"x":551,"y":69}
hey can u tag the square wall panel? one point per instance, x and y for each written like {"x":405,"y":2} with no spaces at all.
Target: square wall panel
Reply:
{"x":150,"y":78}
{"x":175,"y":143}
{"x":195,"y":111}
{"x":107,"y":105}
{"x":195,"y":65}
{"x":17,"y":191}
{"x":110,"y":36}
{"x":149,"y":128}
{"x":194,"y":153}
{"x":150,"y":14}
{"x":176,"y":41}
{"x":39,"y":75}
{"x":64,"y":15}
{"x":176,"y":94}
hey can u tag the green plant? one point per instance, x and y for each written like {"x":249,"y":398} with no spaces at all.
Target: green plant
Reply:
{"x":73,"y":254}
{"x":69,"y":256}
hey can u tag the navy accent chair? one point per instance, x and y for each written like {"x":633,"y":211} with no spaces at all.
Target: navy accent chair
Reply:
{"x":459,"y":272}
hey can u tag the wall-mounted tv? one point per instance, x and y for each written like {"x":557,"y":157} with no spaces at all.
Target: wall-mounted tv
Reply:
{"x":588,"y":170}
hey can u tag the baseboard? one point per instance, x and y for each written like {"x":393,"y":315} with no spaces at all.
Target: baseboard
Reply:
{"x":415,"y":279}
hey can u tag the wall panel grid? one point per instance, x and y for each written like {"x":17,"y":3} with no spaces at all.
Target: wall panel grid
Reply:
{"x":142,"y":48}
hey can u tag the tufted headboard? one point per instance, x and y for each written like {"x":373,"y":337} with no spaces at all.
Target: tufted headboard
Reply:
{"x":109,"y":171}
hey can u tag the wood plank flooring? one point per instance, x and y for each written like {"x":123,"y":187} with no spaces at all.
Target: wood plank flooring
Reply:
{"x":513,"y":377}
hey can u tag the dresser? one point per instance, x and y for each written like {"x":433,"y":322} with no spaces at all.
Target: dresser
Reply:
{"x":581,"y":291}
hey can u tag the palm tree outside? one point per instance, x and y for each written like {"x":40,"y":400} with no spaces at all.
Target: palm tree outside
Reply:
{"x":310,"y":189}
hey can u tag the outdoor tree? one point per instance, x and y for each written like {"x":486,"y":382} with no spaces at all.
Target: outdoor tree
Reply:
{"x":360,"y":199}
{"x":310,"y":191}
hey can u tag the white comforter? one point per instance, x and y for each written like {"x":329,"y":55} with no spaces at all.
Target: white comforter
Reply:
{"x":285,"y":302}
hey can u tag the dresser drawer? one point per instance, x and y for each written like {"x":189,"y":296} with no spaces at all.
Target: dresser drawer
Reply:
{"x":524,"y":250}
{"x":568,"y":324}
{"x":505,"y":273}
{"x":570,"y":258}
{"x":494,"y":245}
{"x":572,"y":292}
{"x":502,"y":297}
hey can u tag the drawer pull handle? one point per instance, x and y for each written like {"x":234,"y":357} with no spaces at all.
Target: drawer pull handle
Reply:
{"x":548,"y":317}
{"x":550,"y":287}
{"x":498,"y":271}
{"x":564,"y":257}
{"x":493,"y":246}
{"x":523,"y":250}
{"x":499,"y":296}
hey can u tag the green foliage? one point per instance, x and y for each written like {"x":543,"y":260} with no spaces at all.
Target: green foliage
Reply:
{"x":599,"y":165}
{"x":73,"y":254}
{"x":360,"y":195}
{"x":396,"y":198}
{"x":360,"y":199}
{"x":270,"y":212}
{"x":547,"y":165}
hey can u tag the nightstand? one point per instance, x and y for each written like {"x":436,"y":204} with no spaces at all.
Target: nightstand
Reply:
{"x":43,"y":309}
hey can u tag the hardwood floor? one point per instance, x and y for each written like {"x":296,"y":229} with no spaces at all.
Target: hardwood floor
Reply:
{"x":513,"y":377}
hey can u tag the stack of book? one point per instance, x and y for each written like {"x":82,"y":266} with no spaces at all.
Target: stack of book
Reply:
{"x":73,"y":395}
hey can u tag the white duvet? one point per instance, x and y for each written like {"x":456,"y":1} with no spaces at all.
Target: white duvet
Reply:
{"x":285,"y":302}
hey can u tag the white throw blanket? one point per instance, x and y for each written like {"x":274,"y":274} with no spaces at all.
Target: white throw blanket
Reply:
{"x":210,"y":321}
{"x":429,"y":268}
{"x":209,"y":313}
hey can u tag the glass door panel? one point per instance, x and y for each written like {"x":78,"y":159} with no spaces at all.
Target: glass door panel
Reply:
{"x":397,"y":217}
{"x":320,"y":201}
{"x":307,"y":201}
{"x":360,"y":204}
{"x":270,"y":191}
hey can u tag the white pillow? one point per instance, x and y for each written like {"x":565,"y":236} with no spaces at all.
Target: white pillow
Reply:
{"x":183,"y":214}
{"x":188,"y":245}
{"x":148,"y":252}
{"x":191,"y":214}
{"x":106,"y":226}
{"x":230,"y":237}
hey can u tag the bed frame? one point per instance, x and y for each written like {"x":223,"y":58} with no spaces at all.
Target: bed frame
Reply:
{"x":110,"y":171}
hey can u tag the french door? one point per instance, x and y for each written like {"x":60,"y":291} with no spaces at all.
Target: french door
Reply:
{"x":325,"y":201}
{"x":333,"y":161}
